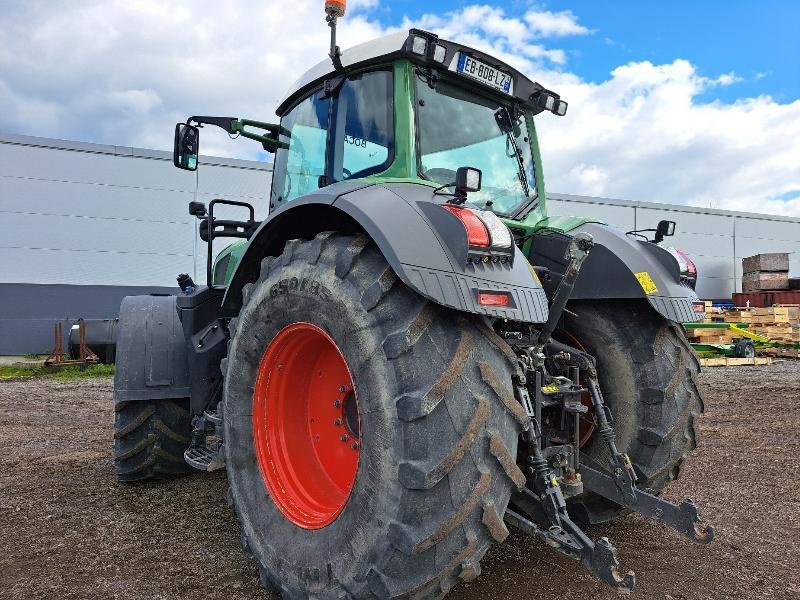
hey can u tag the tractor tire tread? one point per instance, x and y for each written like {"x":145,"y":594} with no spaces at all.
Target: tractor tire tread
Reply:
{"x":668,"y":405}
{"x":150,"y":437}
{"x":463,"y":477}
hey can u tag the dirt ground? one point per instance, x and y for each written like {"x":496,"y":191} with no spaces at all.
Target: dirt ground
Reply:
{"x":69,"y":530}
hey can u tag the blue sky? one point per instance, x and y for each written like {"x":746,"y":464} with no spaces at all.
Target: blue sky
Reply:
{"x":683,"y":102}
{"x":758,"y":41}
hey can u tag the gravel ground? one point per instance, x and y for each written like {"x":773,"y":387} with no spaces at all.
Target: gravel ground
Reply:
{"x":69,"y":530}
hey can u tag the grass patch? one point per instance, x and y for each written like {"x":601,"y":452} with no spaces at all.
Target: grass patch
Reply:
{"x":66,"y":374}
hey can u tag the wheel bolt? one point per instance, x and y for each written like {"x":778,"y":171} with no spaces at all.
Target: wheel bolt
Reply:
{"x":345,"y":437}
{"x":342,"y":388}
{"x":354,"y":446}
{"x":337,"y":403}
{"x":338,"y":422}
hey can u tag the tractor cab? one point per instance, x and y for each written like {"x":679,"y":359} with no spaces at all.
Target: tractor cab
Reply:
{"x":409,"y":107}
{"x":412,"y":106}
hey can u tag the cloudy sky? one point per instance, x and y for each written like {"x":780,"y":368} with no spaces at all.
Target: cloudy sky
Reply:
{"x":685,"y":102}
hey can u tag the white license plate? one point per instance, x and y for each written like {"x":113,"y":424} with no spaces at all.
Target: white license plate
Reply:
{"x":479,"y":70}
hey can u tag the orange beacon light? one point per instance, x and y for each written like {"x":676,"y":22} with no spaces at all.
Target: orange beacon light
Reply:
{"x":335,"y":8}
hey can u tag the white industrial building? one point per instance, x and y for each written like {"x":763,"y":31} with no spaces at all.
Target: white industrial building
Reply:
{"x":86,"y":224}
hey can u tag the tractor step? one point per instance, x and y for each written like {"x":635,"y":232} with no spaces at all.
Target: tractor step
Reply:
{"x":213,"y":417}
{"x":205,"y":453}
{"x":203,"y":459}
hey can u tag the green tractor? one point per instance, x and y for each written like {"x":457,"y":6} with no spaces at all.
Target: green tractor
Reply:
{"x":407,"y":354}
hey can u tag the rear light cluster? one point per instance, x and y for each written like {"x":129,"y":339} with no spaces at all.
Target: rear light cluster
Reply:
{"x":687,"y":266}
{"x":486,"y":234}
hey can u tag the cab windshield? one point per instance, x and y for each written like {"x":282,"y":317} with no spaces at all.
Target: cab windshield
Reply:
{"x":459,"y":128}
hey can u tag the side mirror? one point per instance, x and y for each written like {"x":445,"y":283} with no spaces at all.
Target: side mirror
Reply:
{"x":186,"y":148}
{"x":197,"y":209}
{"x":664,"y":229}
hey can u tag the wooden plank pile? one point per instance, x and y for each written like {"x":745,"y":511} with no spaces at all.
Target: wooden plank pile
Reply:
{"x":781,"y":324}
{"x":723,"y":361}
{"x":711,"y":335}
{"x":764,"y":272}
{"x":782,"y":352}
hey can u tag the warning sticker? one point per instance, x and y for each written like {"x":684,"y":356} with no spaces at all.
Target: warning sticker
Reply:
{"x":647,"y":283}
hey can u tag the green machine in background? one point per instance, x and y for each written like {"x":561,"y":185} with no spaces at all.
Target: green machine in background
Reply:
{"x":743,"y":346}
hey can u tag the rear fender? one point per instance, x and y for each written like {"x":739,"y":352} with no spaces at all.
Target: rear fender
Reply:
{"x":151,"y":360}
{"x":424,"y":245}
{"x":619,"y":266}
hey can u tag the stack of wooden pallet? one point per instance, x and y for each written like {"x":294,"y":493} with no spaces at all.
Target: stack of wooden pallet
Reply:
{"x":724,"y":361}
{"x":710,"y":336}
{"x":781,"y":324}
{"x":764,"y":272}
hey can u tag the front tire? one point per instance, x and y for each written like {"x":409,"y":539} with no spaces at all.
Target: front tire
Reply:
{"x":438,"y":429}
{"x":647,"y":372}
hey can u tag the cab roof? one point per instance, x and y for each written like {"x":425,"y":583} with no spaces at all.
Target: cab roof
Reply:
{"x":402,"y":45}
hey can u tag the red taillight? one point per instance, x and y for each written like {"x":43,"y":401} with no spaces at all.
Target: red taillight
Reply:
{"x":487,"y":299}
{"x":477,"y":234}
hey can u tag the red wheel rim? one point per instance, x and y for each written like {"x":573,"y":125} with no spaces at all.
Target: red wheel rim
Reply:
{"x":587,"y":421}
{"x":306,"y":425}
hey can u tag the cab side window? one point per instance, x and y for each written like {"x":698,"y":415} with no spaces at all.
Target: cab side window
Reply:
{"x":364,"y":126}
{"x":298,"y":170}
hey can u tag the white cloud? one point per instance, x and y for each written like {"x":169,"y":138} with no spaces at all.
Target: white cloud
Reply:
{"x":544,"y":23}
{"x":643,"y":135}
{"x":124,"y":72}
{"x":137,"y":102}
{"x":509,"y":38}
{"x":727,"y":79}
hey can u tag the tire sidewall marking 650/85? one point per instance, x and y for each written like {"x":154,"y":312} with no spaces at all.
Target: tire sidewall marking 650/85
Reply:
{"x":288,"y":302}
{"x":439,"y":429}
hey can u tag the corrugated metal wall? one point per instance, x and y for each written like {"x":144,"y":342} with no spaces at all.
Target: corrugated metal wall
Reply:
{"x":717,"y":240}
{"x":84,"y":225}
{"x":90,"y":223}
{"x":86,"y":214}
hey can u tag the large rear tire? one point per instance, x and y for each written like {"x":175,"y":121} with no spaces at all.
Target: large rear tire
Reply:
{"x":150,"y":437}
{"x":647,"y":372}
{"x":438,"y":428}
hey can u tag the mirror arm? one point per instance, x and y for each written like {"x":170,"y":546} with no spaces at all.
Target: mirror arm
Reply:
{"x":225,"y":123}
{"x":269,"y":141}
